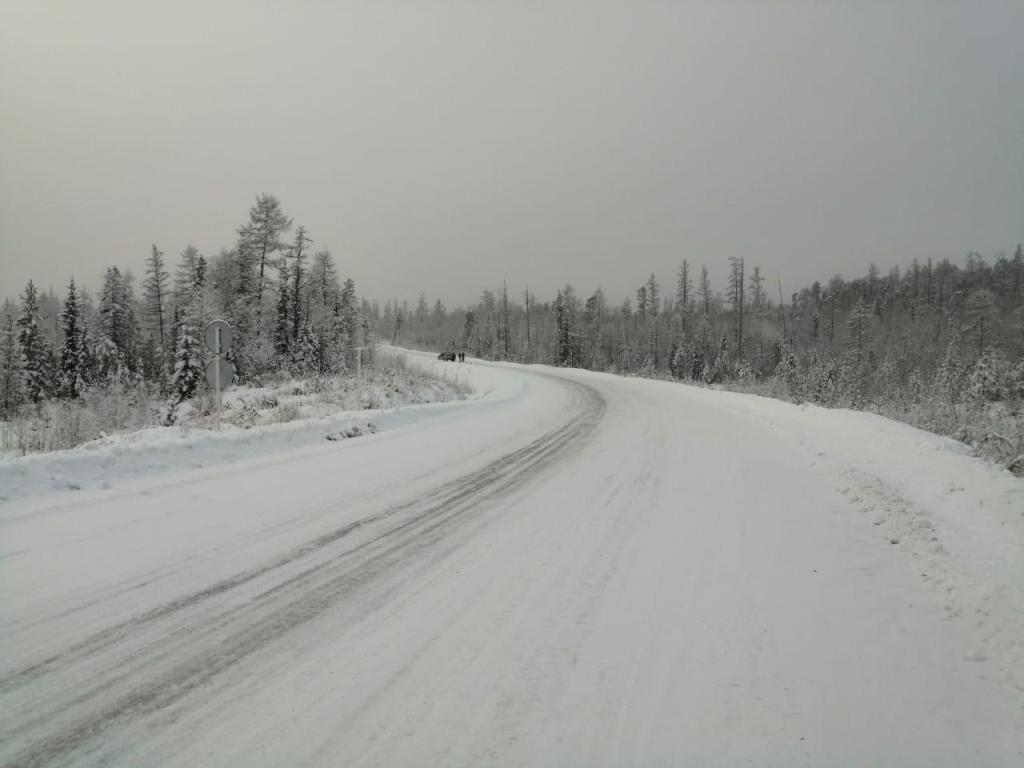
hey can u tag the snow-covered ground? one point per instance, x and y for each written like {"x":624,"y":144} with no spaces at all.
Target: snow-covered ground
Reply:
{"x":568,"y":568}
{"x":289,"y":415}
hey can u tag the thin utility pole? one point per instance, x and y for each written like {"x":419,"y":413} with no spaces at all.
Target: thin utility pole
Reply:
{"x":527,"y":322}
{"x":504,"y":309}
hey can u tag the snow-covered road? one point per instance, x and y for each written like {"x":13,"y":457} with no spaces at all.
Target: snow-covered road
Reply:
{"x":571,"y":569}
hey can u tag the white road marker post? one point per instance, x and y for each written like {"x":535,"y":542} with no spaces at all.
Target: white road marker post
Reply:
{"x":216,"y":385}
{"x":218,"y":341}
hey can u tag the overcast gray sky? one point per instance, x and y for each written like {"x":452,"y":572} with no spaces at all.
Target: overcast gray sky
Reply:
{"x":440,"y":147}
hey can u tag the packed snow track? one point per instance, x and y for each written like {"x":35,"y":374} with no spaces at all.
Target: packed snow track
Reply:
{"x":568,"y":569}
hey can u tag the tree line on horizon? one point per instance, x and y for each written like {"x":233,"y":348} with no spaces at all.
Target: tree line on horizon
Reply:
{"x":936,"y":333}
{"x":289,"y":309}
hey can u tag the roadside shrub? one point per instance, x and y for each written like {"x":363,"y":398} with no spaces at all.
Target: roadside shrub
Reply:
{"x":287,"y":412}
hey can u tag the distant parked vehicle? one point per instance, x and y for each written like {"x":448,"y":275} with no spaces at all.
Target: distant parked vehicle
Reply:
{"x":448,"y":356}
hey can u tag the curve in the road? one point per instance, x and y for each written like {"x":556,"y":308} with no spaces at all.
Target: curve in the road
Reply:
{"x":186,"y":648}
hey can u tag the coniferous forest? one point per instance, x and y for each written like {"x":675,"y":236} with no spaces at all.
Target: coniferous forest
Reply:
{"x":938,"y":345}
{"x":141,"y":335}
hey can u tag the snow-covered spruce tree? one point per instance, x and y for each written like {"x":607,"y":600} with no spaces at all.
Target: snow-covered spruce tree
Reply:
{"x":297,"y":253}
{"x":117,"y":327}
{"x":682,"y":362}
{"x":718,"y":368}
{"x":244,"y":272}
{"x":199,"y":300}
{"x":822,"y":374}
{"x":684,"y":286}
{"x":307,"y":353}
{"x":73,"y":356}
{"x":674,"y":358}
{"x":322,"y":298}
{"x":88,"y":365}
{"x":988,"y":380}
{"x":34,"y":353}
{"x":188,"y":366}
{"x":653,"y":290}
{"x":10,"y":367}
{"x":788,"y":372}
{"x":187,"y":275}
{"x":697,"y":361}
{"x":190,"y":317}
{"x":594,"y":352}
{"x":736,"y":299}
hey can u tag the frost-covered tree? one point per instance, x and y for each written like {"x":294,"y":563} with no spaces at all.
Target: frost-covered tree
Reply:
{"x":641,"y":309}
{"x":979,"y":311}
{"x":186,"y":275}
{"x":950,"y":376}
{"x":859,"y":324}
{"x":322,"y":297}
{"x":565,"y":326}
{"x":684,"y":287}
{"x":988,"y":380}
{"x":283,"y":336}
{"x":10,"y":366}
{"x":348,"y":315}
{"x":706,"y":294}
{"x":156,"y":290}
{"x":261,"y":240}
{"x":34,"y":353}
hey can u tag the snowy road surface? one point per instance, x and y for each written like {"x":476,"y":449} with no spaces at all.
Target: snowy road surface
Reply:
{"x":571,"y":569}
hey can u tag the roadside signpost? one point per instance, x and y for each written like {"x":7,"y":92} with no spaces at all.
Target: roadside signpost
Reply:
{"x":359,"y":359}
{"x":219,"y":372}
{"x":218,"y":337}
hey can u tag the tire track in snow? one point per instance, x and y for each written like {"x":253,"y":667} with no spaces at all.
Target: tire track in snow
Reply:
{"x":142,"y":682}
